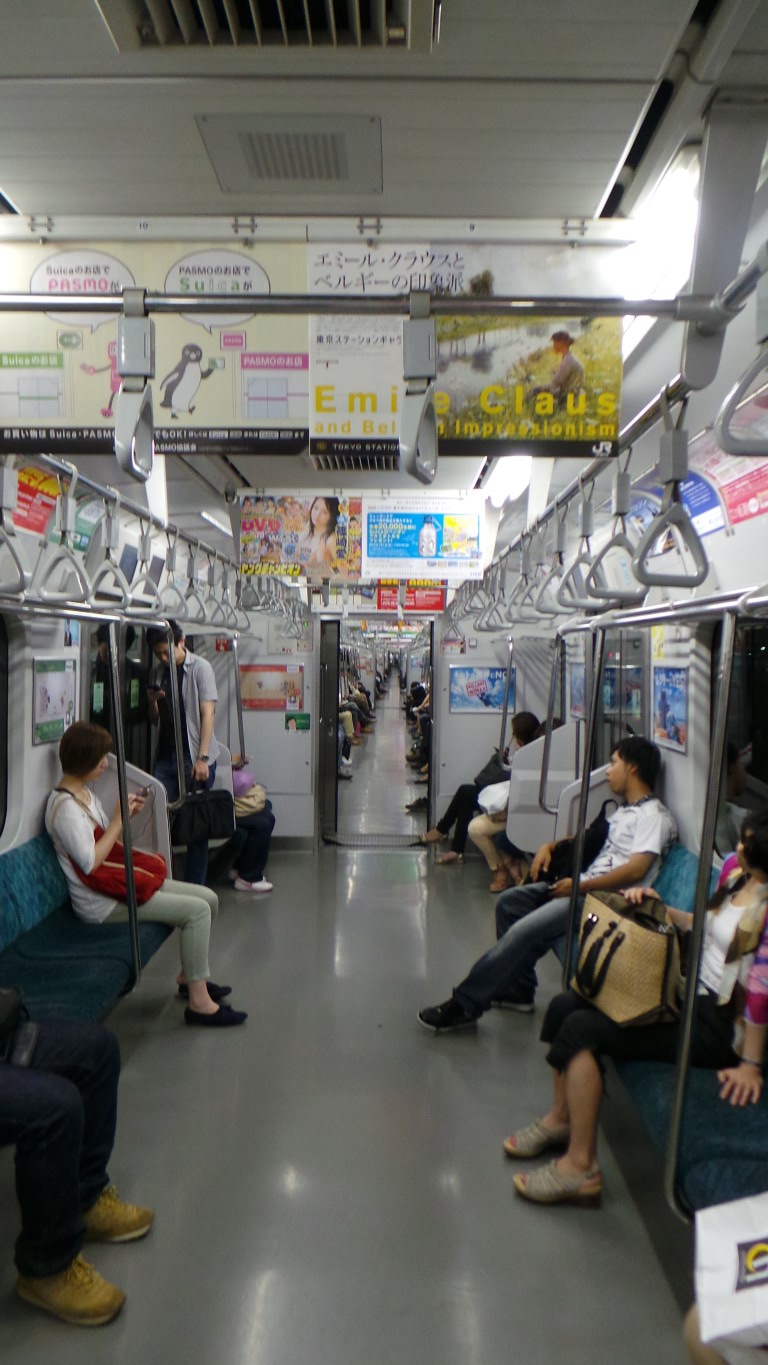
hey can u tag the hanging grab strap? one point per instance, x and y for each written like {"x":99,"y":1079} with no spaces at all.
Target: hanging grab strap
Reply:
{"x":620,"y":548}
{"x":727,"y":439}
{"x":672,"y":516}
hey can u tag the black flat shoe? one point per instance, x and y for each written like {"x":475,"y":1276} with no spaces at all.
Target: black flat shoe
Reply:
{"x":225,"y":1017}
{"x":215,"y":992}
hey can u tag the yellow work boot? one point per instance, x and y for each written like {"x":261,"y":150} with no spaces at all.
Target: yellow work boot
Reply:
{"x":78,"y":1294}
{"x":112,"y":1220}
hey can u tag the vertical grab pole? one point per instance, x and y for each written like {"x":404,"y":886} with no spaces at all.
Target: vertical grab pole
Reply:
{"x":505,"y":708}
{"x":553,"y":689}
{"x":578,"y":840}
{"x":238,"y":700}
{"x":122,"y":786}
{"x":176,"y":711}
{"x":687,"y":1021}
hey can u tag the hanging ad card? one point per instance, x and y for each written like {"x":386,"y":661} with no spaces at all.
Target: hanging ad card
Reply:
{"x":419,"y":596}
{"x":294,"y":536}
{"x":478,"y":690}
{"x":355,"y":385}
{"x":670,"y":708}
{"x":435,"y":538}
{"x":272,"y":687}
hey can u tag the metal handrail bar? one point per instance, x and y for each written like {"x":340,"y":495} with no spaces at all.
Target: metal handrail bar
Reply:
{"x":691,"y":608}
{"x":554,"y":679}
{"x":581,"y":819}
{"x":682,"y":308}
{"x":505,"y":707}
{"x":687,"y":1021}
{"x":238,"y":699}
{"x":122,"y":787}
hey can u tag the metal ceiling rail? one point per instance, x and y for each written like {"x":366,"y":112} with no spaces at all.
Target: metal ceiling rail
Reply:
{"x":684,"y":308}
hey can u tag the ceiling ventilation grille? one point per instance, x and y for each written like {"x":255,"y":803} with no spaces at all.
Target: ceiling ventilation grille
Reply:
{"x":294,"y":153}
{"x":354,"y":464}
{"x":295,"y":156}
{"x":410,"y":24}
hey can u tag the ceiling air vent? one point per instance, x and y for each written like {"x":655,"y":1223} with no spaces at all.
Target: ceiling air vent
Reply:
{"x":409,"y":24}
{"x":292,"y":154}
{"x":354,"y":464}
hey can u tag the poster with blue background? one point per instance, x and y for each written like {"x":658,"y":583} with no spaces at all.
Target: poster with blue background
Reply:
{"x":479,"y":690}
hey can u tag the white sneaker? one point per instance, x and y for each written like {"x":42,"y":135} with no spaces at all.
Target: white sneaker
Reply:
{"x":258,"y":887}
{"x":346,"y":762}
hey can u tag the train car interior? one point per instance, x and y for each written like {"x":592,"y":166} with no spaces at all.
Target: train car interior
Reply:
{"x":399,"y":369}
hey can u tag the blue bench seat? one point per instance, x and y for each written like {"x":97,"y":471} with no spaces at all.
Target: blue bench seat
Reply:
{"x":64,"y":966}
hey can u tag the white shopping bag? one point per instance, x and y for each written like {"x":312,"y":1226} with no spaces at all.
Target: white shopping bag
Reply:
{"x":732,"y":1272}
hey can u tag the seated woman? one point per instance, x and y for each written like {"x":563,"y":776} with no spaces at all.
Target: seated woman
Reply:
{"x":733,"y":975}
{"x":83,"y":834}
{"x":250,"y":842}
{"x":464,"y":804}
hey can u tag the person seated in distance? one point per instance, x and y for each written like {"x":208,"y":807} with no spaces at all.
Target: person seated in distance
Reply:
{"x":530,"y":919}
{"x":733,"y":979}
{"x":60,"y":1114}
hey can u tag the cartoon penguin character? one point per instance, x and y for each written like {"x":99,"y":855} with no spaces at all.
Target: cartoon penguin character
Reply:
{"x":182,"y":383}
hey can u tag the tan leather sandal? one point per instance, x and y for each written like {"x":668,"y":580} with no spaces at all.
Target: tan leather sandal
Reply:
{"x":552,"y":1186}
{"x":535,"y":1139}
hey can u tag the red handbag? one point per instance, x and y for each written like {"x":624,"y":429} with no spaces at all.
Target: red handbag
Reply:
{"x":149,"y":873}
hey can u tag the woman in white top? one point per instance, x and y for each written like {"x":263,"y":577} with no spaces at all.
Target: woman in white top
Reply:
{"x":83,"y":834}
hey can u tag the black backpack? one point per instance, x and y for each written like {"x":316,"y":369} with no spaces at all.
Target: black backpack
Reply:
{"x":494,"y":771}
{"x":561,"y":863}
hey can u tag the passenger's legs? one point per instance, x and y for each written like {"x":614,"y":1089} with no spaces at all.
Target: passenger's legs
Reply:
{"x":60,"y":1113}
{"x":535,"y":924}
{"x":186,"y":908}
{"x":482,"y":831}
{"x":257,"y":828}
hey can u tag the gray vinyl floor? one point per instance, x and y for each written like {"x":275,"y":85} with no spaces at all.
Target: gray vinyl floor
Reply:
{"x":328,"y":1180}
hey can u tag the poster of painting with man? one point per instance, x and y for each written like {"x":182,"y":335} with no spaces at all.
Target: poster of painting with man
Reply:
{"x":315,"y":537}
{"x":542,"y":382}
{"x":670,"y":708}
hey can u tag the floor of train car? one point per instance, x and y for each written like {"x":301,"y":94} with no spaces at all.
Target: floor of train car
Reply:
{"x":328,"y":1180}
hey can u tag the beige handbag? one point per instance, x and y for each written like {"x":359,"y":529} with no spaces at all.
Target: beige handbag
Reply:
{"x":252,"y":801}
{"x":629,"y":960}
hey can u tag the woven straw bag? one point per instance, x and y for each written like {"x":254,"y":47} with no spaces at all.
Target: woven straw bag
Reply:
{"x":629,"y":960}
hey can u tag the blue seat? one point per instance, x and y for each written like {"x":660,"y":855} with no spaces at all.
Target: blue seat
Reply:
{"x":65,"y":967}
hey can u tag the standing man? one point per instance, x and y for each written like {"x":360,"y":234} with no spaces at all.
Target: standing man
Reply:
{"x":197,"y":698}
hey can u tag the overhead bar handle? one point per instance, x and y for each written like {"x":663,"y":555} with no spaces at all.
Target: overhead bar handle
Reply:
{"x":63,"y":557}
{"x":9,"y":493}
{"x":145,"y":583}
{"x":631,"y":594}
{"x":727,"y":439}
{"x":192,"y":598}
{"x":672,"y":516}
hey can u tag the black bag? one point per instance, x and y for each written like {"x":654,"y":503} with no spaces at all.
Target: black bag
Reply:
{"x":204,"y":815}
{"x":493,"y":772}
{"x":17,"y":1036}
{"x":561,"y":863}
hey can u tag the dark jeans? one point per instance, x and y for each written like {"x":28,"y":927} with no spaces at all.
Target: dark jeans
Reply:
{"x":60,"y":1114}
{"x":196,"y":861}
{"x":529,"y":921}
{"x":459,"y":813}
{"x":250,"y":843}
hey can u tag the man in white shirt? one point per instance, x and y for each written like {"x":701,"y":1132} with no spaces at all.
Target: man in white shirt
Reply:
{"x":530,"y":919}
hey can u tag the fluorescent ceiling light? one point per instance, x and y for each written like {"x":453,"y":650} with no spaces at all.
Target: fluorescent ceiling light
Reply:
{"x":509,"y":478}
{"x":660,"y":260}
{"x":218,"y":522}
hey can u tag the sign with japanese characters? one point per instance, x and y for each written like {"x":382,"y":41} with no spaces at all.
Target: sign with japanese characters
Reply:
{"x":293,"y":535}
{"x":435,"y":538}
{"x":272,"y":687}
{"x":480,"y":690}
{"x":419,"y":596}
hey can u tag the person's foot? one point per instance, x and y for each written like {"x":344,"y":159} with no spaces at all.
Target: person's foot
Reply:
{"x":501,"y":880}
{"x":550,"y":1185}
{"x":233,"y":874}
{"x":77,"y":1294}
{"x":449,"y":1015}
{"x":260,"y":887}
{"x":224,"y":1017}
{"x":110,"y":1219}
{"x":346,"y":762}
{"x":518,"y":1002}
{"x":344,"y":774}
{"x":538,"y":1137}
{"x":450,"y":857}
{"x":433,"y":836}
{"x":420,"y":803}
{"x":214,"y":991}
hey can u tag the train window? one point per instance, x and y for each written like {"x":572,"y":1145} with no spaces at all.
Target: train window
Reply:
{"x":3,"y":722}
{"x":623,"y":702}
{"x":745,"y":778}
{"x":134,"y":672}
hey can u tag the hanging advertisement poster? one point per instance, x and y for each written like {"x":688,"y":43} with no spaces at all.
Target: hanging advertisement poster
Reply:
{"x":238,"y":378}
{"x":419,"y":596}
{"x":36,"y":500}
{"x":356,"y":385}
{"x":293,"y":535}
{"x":54,"y":698}
{"x":670,"y":708}
{"x":436,"y":538}
{"x":480,"y":689}
{"x":739,"y":482}
{"x":272,"y":687}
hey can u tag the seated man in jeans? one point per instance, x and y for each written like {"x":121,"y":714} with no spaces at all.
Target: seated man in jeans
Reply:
{"x":530,"y":919}
{"x":60,"y":1113}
